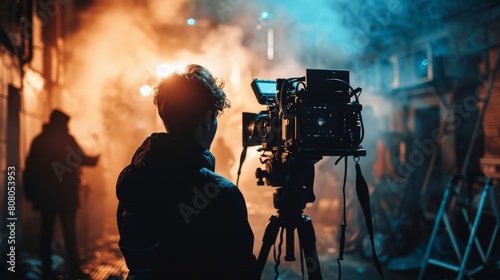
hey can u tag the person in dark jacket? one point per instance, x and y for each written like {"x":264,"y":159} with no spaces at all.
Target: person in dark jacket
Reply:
{"x":51,"y":182}
{"x":177,"y":218}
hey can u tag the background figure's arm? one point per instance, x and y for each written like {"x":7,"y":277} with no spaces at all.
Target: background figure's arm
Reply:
{"x":86,"y":160}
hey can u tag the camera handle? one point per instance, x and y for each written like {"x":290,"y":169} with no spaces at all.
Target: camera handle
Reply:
{"x":260,"y":175}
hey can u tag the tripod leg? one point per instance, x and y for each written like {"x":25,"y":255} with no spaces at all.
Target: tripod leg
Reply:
{"x":268,"y":240}
{"x":307,"y":241}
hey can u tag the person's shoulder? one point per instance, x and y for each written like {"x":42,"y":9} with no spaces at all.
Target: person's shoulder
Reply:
{"x":217,"y":179}
{"x":225,"y":194}
{"x":41,"y":140}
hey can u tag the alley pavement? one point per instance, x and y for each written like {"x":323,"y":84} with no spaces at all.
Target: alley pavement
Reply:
{"x":104,"y":261}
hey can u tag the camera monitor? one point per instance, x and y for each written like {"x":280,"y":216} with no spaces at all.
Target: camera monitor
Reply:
{"x":265,"y":91}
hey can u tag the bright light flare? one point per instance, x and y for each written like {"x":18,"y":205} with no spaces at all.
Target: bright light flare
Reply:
{"x":191,"y":21}
{"x":164,"y":70}
{"x":146,"y":90}
{"x":34,"y":80}
{"x":270,"y":44}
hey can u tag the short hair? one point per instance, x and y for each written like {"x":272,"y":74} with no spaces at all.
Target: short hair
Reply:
{"x":183,"y":98}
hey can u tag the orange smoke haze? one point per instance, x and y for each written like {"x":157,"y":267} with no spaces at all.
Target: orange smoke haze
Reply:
{"x":117,"y":49}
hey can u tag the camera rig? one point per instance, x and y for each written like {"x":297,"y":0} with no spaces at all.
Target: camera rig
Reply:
{"x":306,"y":118}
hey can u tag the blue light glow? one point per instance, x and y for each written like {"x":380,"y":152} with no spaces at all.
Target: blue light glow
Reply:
{"x":425,"y":62}
{"x":264,"y":15}
{"x":191,"y":21}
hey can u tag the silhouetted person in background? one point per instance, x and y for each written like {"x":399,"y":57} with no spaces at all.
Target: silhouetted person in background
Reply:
{"x":177,"y":218}
{"x":51,"y":182}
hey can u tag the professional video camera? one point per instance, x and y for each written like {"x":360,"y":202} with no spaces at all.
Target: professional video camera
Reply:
{"x":307,"y":118}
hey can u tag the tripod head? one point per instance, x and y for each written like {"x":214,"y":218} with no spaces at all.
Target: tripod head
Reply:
{"x":293,"y":178}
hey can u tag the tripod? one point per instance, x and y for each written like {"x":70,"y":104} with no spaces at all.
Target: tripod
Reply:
{"x":290,"y":203}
